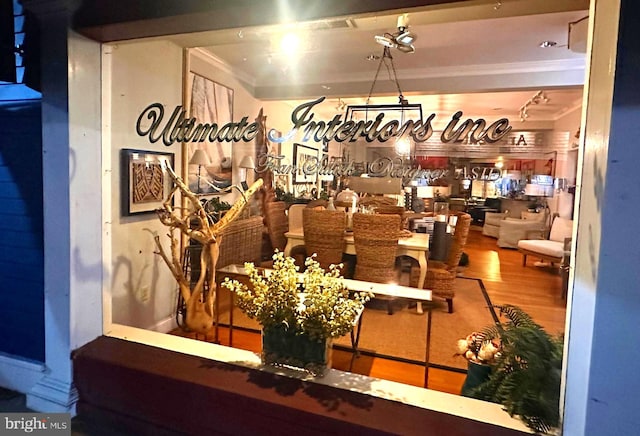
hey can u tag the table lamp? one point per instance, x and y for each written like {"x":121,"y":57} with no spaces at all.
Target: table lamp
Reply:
{"x":246,"y":163}
{"x":199,"y":158}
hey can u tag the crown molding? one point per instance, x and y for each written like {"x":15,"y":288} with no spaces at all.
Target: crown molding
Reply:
{"x":457,"y":71}
{"x":221,"y":65}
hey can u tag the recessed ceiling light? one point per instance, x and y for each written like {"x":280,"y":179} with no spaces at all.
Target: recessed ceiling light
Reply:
{"x":547,"y":44}
{"x":289,"y":43}
{"x":325,"y":87}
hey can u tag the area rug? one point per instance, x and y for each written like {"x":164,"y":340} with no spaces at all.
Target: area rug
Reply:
{"x":402,"y":335}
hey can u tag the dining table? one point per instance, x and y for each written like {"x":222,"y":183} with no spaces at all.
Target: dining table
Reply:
{"x":413,"y":245}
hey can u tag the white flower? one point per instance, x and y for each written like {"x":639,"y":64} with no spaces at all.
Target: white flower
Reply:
{"x":462,"y":346}
{"x":487,"y":351}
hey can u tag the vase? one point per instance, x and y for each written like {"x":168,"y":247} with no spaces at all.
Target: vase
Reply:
{"x":291,"y":348}
{"x":477,"y":373}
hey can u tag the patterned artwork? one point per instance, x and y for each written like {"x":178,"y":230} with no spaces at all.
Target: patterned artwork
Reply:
{"x":148,"y":182}
{"x":145,"y":182}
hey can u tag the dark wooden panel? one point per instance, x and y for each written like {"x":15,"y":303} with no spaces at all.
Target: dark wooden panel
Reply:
{"x":103,"y":21}
{"x":143,"y":387}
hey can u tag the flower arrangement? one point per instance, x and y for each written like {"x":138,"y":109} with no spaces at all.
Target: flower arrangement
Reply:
{"x":315,"y":303}
{"x":477,"y":349}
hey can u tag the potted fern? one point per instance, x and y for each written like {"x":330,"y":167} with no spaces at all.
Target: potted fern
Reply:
{"x":526,"y":369}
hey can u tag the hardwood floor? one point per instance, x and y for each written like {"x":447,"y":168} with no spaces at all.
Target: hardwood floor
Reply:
{"x":537,"y":290}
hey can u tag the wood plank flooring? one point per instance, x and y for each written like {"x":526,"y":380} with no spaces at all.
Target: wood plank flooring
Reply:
{"x":537,"y":290}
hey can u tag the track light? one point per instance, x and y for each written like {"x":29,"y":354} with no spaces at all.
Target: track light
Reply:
{"x":402,"y":40}
{"x":386,"y":41}
{"x":536,"y":99}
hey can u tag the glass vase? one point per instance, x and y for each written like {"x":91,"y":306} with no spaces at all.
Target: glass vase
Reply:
{"x":477,"y":373}
{"x":291,"y":348}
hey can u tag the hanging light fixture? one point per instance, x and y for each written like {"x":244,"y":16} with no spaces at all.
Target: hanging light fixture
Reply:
{"x":401,"y":111}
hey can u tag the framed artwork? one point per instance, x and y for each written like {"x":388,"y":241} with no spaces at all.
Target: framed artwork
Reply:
{"x":145,"y":181}
{"x":210,"y":102}
{"x":304,"y":156}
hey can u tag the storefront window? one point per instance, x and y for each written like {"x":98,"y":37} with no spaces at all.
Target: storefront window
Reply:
{"x":489,"y":134}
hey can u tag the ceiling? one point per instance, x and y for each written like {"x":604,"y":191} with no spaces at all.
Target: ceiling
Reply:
{"x":482,"y":57}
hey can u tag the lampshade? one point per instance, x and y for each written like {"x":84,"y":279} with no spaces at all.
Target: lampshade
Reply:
{"x":348,"y":196}
{"x":534,"y":190}
{"x":247,"y":162}
{"x":560,"y":183}
{"x":199,"y":158}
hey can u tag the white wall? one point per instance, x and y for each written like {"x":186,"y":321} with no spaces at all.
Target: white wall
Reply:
{"x":143,"y":289}
{"x":567,"y":160}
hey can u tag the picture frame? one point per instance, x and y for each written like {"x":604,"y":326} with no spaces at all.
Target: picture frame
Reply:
{"x":209,"y":102}
{"x":301,"y":155}
{"x":145,"y":180}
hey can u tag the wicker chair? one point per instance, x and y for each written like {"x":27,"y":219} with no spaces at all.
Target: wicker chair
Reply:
{"x":376,"y":243}
{"x":241,"y":242}
{"x":324,"y":235}
{"x":441,"y":276}
{"x":377,"y":200}
{"x":277,"y":224}
{"x":390,"y":210}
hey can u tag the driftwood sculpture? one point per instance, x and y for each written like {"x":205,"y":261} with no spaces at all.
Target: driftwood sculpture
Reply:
{"x":195,"y":225}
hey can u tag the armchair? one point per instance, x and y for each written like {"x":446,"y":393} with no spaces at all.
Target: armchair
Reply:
{"x":555,"y":248}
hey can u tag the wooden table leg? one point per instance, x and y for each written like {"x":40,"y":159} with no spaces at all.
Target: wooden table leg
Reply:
{"x":355,"y":340}
{"x":426,"y":357}
{"x":216,"y":317}
{"x":422,"y":261}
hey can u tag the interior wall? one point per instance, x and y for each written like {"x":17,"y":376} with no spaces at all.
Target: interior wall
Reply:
{"x":143,"y":289}
{"x":279,"y":117}
{"x":567,"y":162}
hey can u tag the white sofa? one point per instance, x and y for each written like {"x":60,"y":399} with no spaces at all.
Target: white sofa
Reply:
{"x":492,"y":221}
{"x":555,"y":249}
{"x":512,"y":230}
{"x":509,"y":230}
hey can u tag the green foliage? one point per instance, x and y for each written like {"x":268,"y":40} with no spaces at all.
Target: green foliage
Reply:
{"x":315,"y":302}
{"x":282,"y":195}
{"x":214,"y":207}
{"x":324,"y":195}
{"x":526,"y":374}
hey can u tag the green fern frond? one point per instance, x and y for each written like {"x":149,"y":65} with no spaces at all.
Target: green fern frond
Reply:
{"x":526,"y":375}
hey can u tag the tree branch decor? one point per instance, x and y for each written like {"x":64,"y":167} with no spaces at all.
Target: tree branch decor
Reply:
{"x":195,"y":224}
